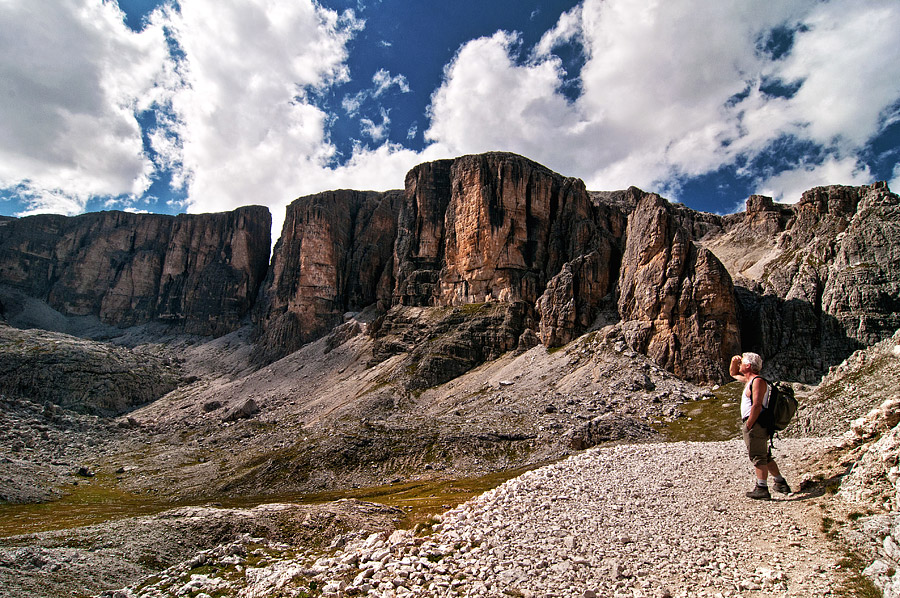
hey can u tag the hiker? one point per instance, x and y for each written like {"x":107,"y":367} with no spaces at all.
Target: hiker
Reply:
{"x":755,"y":397}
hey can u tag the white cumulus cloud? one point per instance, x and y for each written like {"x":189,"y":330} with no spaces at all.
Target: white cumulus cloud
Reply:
{"x":245,"y":126}
{"x":789,"y":185}
{"x":665,"y":91}
{"x":676,"y":89}
{"x":71,"y":75}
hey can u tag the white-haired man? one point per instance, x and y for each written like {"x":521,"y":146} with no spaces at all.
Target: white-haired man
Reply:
{"x":755,"y":397}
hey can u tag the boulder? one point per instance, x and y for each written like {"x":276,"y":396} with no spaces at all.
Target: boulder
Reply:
{"x":245,"y":410}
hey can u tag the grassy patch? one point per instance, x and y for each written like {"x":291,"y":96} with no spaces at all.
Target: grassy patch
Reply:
{"x":87,"y":503}
{"x":420,"y":500}
{"x":856,"y":585}
{"x":203,"y":570}
{"x":475,"y":309}
{"x":425,"y":528}
{"x":707,"y":420}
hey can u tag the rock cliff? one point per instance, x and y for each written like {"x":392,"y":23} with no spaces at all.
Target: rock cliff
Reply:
{"x":490,"y":228}
{"x":200,"y":272}
{"x":815,"y":280}
{"x":494,"y":227}
{"x":863,"y":287}
{"x":803,"y":285}
{"x":335,"y":255}
{"x":676,"y":299}
{"x":500,"y":228}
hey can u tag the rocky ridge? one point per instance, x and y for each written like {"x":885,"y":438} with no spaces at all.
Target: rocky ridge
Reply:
{"x":199,"y":272}
{"x":815,"y":281}
{"x":871,"y":448}
{"x":498,"y":228}
{"x":81,"y":375}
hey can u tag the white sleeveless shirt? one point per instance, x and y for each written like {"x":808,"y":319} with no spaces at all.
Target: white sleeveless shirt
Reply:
{"x":745,"y":398}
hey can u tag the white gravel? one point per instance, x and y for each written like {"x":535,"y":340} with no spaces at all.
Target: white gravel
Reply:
{"x":649,"y":520}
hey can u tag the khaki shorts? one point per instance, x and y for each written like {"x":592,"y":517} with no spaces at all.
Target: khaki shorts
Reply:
{"x":757,"y":441}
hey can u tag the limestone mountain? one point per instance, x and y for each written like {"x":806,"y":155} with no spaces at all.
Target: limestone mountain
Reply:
{"x":804,"y":285}
{"x":199,"y":272}
{"x":676,"y":299}
{"x":492,"y":314}
{"x":334,"y":255}
{"x":816,"y":280}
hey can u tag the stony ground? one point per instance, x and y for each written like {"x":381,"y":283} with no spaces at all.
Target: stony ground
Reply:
{"x":647,"y":519}
{"x":653,"y":520}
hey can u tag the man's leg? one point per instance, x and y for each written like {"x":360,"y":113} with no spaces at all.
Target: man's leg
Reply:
{"x":780,"y":484}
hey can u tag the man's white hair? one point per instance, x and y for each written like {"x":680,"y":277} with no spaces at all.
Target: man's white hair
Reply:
{"x":754,"y":361}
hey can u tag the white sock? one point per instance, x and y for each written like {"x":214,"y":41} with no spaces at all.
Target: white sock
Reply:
{"x":762,"y":483}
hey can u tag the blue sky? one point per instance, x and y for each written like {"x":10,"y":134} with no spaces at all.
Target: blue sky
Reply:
{"x":206,"y":105}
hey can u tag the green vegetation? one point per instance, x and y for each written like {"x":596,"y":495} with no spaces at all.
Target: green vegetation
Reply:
{"x":88,"y":503}
{"x":424,"y":528}
{"x":856,"y":585}
{"x":420,"y":500}
{"x":708,"y":420}
{"x":476,"y":309}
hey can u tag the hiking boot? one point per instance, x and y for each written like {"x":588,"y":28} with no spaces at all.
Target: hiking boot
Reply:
{"x":759,"y":493}
{"x":782,"y":487}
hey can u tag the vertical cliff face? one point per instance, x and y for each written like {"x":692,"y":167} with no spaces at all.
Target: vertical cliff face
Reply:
{"x":676,"y":299}
{"x":335,"y":255}
{"x":419,"y":251}
{"x":498,"y":236}
{"x":822,"y":281}
{"x":499,"y":227}
{"x":862,"y":290}
{"x":200,"y":272}
{"x":511,"y":225}
{"x":213,"y":268}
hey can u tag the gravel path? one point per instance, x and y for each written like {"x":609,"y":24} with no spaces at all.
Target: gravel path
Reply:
{"x":649,"y":520}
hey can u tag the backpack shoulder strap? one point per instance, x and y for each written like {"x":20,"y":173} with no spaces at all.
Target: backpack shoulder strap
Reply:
{"x":752,"y":380}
